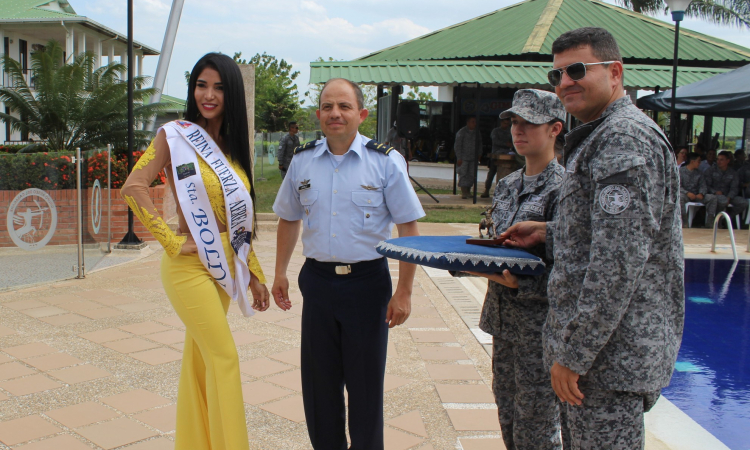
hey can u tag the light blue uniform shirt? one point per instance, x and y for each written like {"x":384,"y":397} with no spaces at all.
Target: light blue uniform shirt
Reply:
{"x":346,"y":207}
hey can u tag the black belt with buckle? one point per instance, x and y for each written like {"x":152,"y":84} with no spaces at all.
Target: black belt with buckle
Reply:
{"x":340,"y":268}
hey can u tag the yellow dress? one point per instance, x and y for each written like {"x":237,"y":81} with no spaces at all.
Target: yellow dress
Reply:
{"x":210,"y":408}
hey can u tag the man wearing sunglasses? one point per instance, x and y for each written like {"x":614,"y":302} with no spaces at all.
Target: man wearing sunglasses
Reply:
{"x":616,"y":292}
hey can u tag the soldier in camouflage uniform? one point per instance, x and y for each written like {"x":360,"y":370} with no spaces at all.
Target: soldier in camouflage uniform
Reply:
{"x":287,"y":144}
{"x":724,"y":183}
{"x":693,"y":189}
{"x":516,"y":307}
{"x":616,"y":291}
{"x":466,"y":157}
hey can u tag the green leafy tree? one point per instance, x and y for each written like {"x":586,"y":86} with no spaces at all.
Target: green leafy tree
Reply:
{"x":416,"y":94}
{"x":720,"y":12}
{"x":73,"y":104}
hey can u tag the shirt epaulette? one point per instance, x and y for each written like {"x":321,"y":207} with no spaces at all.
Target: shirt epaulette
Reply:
{"x":307,"y":146}
{"x":382,"y":148}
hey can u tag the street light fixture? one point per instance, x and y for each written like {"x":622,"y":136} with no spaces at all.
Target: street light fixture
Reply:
{"x":677,"y":7}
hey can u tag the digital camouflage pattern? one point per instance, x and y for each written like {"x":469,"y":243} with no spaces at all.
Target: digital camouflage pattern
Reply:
{"x":287,"y":144}
{"x":616,"y":292}
{"x":501,"y":141}
{"x":536,"y":106}
{"x":744,"y":173}
{"x":728,"y":183}
{"x":611,"y":420}
{"x":694,"y":182}
{"x":466,"y":152}
{"x":527,"y":406}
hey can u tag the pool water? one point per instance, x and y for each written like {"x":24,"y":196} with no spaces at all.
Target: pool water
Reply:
{"x":711,"y":381}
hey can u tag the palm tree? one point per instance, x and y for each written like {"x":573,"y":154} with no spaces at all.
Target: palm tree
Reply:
{"x":73,"y":104}
{"x":720,"y":12}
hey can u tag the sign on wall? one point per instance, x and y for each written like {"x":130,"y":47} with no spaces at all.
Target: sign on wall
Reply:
{"x":96,"y":206}
{"x":32,"y":219}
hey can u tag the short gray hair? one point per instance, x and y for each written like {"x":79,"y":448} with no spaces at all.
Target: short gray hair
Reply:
{"x":357,"y":91}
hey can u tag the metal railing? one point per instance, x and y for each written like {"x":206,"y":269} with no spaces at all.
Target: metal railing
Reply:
{"x":728,"y":221}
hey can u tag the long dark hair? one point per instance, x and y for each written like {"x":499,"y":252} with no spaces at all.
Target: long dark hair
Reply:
{"x":233,"y":129}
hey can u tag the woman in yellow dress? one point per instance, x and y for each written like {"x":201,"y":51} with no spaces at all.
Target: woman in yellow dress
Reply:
{"x":210,"y":408}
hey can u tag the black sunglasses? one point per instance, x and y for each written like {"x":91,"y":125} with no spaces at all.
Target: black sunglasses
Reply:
{"x":575,"y":71}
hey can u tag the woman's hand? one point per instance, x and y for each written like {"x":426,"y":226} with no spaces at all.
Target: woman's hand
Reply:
{"x":189,"y":247}
{"x":260,"y":294}
{"x":506,"y":278}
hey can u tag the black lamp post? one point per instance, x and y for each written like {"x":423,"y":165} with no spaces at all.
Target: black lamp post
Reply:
{"x":677,"y":7}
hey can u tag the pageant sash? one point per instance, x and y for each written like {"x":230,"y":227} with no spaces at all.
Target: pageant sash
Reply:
{"x":188,"y":142}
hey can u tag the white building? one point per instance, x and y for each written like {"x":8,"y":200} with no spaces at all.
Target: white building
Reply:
{"x":26,"y":25}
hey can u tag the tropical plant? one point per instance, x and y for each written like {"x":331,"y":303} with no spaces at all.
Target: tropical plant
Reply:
{"x":720,"y":12}
{"x":74,"y":104}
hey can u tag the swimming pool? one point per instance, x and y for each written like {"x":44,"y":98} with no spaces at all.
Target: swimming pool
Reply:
{"x":711,"y":382}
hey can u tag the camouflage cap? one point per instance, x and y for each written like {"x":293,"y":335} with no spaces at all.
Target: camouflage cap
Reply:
{"x":536,"y":106}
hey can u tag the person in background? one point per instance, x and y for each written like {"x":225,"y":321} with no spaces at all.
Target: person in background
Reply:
{"x":682,"y":153}
{"x":724,"y":182}
{"x":287,"y":144}
{"x":466,"y":155}
{"x":709,"y":160}
{"x":397,"y":142}
{"x":743,"y":169}
{"x":502,"y":144}
{"x":693,"y":188}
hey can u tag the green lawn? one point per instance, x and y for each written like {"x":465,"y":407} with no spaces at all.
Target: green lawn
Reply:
{"x":452,"y":215}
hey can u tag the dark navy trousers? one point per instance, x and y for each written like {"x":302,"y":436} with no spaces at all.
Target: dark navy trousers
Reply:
{"x":344,"y":341}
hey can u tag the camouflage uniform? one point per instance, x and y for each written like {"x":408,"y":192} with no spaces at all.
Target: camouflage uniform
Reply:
{"x":526,"y":404}
{"x":744,"y":172}
{"x":500,"y":139}
{"x":616,"y":292}
{"x":466,"y":151}
{"x":728,"y":183}
{"x":695,"y":183}
{"x":287,"y":144}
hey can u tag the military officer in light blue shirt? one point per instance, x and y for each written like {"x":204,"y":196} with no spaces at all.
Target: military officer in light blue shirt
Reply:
{"x":346,"y":192}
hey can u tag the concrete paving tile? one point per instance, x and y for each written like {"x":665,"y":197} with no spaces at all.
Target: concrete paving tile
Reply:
{"x":163,"y":419}
{"x":425,"y":322}
{"x":137,"y":307}
{"x":294,"y":323}
{"x":153,"y":285}
{"x":442,"y":353}
{"x":271,"y":316}
{"x":14,"y":432}
{"x":474,"y":419}
{"x":3,"y":397}
{"x":292,"y":356}
{"x":135,"y":401}
{"x":432,"y":336}
{"x":46,"y":311}
{"x":14,"y":370}
{"x":259,"y":392}
{"x":145,"y":328}
{"x":172,"y":321}
{"x":291,"y":380}
{"x":101,"y":336}
{"x":82,"y":414}
{"x":101,"y":313}
{"x":245,"y":337}
{"x":411,"y":422}
{"x":79,"y":305}
{"x":426,"y":447}
{"x":79,"y":374}
{"x":392,"y":382}
{"x":452,"y":372}
{"x":116,"y":433}
{"x":421,"y":300}
{"x":96,"y":294}
{"x":424,"y":311}
{"x":115,"y":300}
{"x":391,"y":350}
{"x":398,"y":440}
{"x":167,"y":337}
{"x":289,"y":408}
{"x":21,"y":305}
{"x":61,"y":442}
{"x":157,"y":356}
{"x":482,"y":444}
{"x":154,"y":444}
{"x":465,"y":393}
{"x":58,"y":299}
{"x":29,"y":385}
{"x":261,"y":367}
{"x":130,"y":345}
{"x":4,"y":359}
{"x":5,"y":331}
{"x":64,"y":319}
{"x":29,"y":350}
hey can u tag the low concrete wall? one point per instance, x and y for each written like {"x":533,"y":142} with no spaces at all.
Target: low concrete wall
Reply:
{"x":439,"y":171}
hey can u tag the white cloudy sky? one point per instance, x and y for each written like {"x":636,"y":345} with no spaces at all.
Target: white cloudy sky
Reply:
{"x":299,"y":30}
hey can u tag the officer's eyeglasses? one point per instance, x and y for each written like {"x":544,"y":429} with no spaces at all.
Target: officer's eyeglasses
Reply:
{"x":575,"y":71}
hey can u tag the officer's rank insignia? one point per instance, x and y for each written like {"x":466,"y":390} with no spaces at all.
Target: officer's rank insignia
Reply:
{"x":368,"y":187}
{"x":614,"y":198}
{"x":304,"y":184}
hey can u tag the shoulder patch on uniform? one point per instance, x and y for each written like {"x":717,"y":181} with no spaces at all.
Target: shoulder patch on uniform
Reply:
{"x":614,"y":199}
{"x":307,"y":146}
{"x":382,"y":148}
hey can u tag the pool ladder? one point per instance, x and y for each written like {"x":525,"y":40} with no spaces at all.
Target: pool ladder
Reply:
{"x":728,"y":221}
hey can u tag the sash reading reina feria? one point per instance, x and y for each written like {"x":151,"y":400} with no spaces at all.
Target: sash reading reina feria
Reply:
{"x":188,"y":141}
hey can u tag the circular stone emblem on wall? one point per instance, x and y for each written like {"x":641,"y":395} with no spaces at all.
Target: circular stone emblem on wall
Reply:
{"x":32,"y":219}
{"x":96,"y":206}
